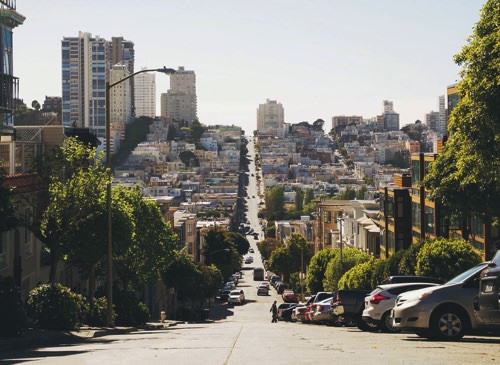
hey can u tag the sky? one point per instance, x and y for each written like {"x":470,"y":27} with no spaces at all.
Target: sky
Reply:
{"x":318,"y":58}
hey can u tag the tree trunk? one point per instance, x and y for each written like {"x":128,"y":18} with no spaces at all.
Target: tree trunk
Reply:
{"x":53,"y":267}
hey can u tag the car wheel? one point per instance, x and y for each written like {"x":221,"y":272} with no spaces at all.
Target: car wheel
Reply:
{"x":386,"y":324}
{"x":367,"y":326}
{"x":422,"y":332}
{"x":448,"y":325}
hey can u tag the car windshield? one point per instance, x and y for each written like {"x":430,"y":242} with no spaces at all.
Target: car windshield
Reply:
{"x":460,"y":278}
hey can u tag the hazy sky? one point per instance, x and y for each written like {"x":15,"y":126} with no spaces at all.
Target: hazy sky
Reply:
{"x":319,"y":58}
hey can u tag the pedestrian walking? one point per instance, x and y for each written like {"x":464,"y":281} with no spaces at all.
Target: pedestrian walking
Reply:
{"x":274,"y":311}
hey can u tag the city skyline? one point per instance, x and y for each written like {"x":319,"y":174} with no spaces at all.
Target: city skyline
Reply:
{"x":318,"y":59}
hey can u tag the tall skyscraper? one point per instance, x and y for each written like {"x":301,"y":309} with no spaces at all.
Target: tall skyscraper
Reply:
{"x":120,"y":102}
{"x":437,"y":121}
{"x":9,"y":19}
{"x":271,"y":118}
{"x":86,"y":63}
{"x":145,"y":95}
{"x":389,"y":120}
{"x":180,"y":101}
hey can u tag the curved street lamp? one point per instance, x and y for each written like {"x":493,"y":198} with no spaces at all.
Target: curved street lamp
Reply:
{"x":109,"y":286}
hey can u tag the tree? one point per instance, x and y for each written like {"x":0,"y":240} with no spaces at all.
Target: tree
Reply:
{"x":317,"y":267}
{"x":292,"y":257}
{"x":221,"y":251}
{"x":153,"y":243}
{"x":182,"y":275}
{"x":366,"y":275}
{"x":336,"y":268}
{"x":239,"y":241}
{"x":189,"y":159}
{"x":465,"y":177}
{"x":445,"y":259}
{"x":7,"y":209}
{"x":309,"y":196}
{"x":76,"y":188}
{"x":274,"y":199}
{"x":299,"y":199}
{"x":267,"y":246}
{"x":35,"y":105}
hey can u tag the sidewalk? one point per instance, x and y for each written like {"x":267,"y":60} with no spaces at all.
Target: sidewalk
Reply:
{"x":33,"y":338}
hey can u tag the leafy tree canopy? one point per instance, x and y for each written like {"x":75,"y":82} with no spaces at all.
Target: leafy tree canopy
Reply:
{"x":465,"y":176}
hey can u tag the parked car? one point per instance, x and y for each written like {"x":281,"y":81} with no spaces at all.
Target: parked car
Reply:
{"x":379,"y":303}
{"x":236,"y":297}
{"x":443,"y":312}
{"x":230,"y":285}
{"x":263,"y":288}
{"x":316,"y":298}
{"x":251,"y":250}
{"x":320,"y":312}
{"x":280,"y":287}
{"x":347,"y":308}
{"x":410,"y":279}
{"x":289,"y":296}
{"x":281,"y":308}
{"x":286,"y":314}
{"x":298,"y":313}
{"x":224,"y":294}
{"x":488,"y":311}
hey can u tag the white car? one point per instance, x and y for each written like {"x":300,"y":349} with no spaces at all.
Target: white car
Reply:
{"x":236,"y":297}
{"x":263,"y":288}
{"x":379,"y":303}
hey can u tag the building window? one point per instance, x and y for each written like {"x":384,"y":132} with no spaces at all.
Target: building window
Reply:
{"x":415,"y":215}
{"x":400,"y":209}
{"x":415,"y":172}
{"x":327,"y":217}
{"x":477,"y":225}
{"x":429,"y":220}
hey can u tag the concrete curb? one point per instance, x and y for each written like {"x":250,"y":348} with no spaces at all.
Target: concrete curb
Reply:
{"x":34,"y":338}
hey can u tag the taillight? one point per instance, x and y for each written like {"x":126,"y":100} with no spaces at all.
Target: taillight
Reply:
{"x":377,"y":298}
{"x":319,"y":308}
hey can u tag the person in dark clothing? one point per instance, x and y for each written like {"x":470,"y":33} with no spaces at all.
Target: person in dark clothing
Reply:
{"x":274,"y":310}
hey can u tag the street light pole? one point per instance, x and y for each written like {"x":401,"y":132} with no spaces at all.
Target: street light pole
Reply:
{"x":109,"y":286}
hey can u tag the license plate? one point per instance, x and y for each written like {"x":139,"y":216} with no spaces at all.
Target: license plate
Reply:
{"x":338,"y":310}
{"x":488,"y":287}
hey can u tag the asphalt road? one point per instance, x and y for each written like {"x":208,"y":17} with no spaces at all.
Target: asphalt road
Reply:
{"x":245,"y":335}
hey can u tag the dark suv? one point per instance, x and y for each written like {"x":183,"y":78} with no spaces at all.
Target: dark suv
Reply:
{"x":489,"y":294}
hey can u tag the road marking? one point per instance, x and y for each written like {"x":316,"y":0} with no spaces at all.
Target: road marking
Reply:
{"x":234,"y":344}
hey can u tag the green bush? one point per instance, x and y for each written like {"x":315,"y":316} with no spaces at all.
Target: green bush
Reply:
{"x":336,"y":269}
{"x":55,"y":307}
{"x":12,"y":315}
{"x":363,"y":276}
{"x":445,"y":259}
{"x":96,"y":312}
{"x":129,"y":310}
{"x":408,"y":261}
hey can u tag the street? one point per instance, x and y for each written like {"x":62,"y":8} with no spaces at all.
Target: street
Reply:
{"x":245,"y":335}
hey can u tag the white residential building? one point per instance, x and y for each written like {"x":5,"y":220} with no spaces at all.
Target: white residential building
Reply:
{"x":180,"y":103}
{"x":271,"y":119}
{"x":145,"y":95}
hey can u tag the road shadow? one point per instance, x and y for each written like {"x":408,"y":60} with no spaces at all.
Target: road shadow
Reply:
{"x":220,"y":312}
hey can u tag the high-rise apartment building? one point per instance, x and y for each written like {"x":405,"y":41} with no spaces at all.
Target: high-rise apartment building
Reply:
{"x":437,"y":121}
{"x":345,"y":120}
{"x":145,"y":95}
{"x":179,"y":102}
{"x":120,"y":103}
{"x":86,"y":64}
{"x":389,"y":120}
{"x":271,"y":119}
{"x":9,"y":19}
